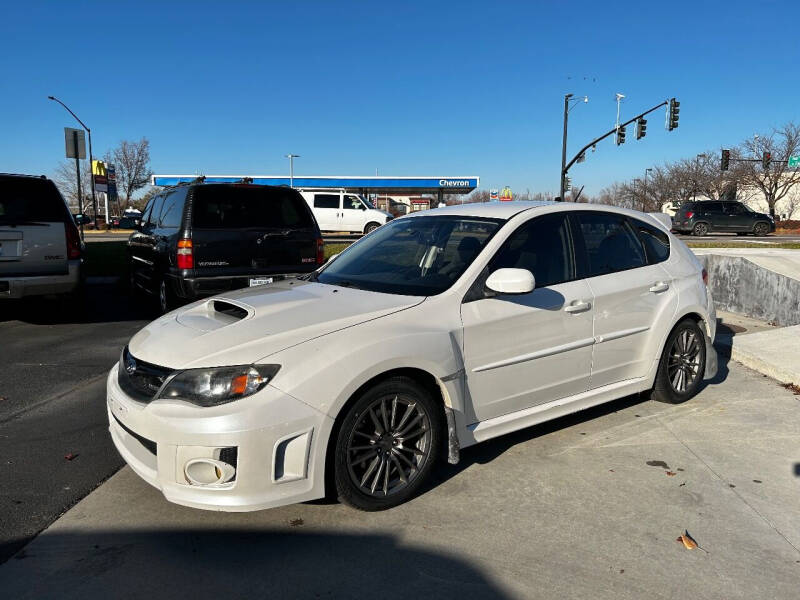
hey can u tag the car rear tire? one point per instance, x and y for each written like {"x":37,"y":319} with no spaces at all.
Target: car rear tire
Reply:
{"x":682,"y":365}
{"x":371,"y":227}
{"x":760,"y":229}
{"x":700,"y":229}
{"x":387,"y":444}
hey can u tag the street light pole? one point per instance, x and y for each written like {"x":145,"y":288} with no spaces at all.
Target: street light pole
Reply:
{"x":91,"y":175}
{"x":564,"y":144}
{"x":644,"y":196}
{"x":291,"y":158}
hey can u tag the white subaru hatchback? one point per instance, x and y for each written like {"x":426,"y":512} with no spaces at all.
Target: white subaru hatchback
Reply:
{"x":437,"y":331}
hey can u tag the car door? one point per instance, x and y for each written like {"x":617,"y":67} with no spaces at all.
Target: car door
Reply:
{"x":528,"y":349}
{"x":737,"y":217}
{"x":327,"y":208}
{"x":630,"y":294}
{"x":714,"y":216}
{"x":353,"y":213}
{"x":142,"y":247}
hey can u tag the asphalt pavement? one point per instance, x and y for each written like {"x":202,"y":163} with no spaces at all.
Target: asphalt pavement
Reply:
{"x":54,"y":360}
{"x":732,"y":238}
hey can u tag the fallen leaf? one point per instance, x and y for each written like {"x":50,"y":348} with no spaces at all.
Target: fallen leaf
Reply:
{"x":70,"y":456}
{"x":688,"y":541}
{"x":296,"y":522}
{"x":670,"y":473}
{"x":683,"y":484}
{"x":611,"y":470}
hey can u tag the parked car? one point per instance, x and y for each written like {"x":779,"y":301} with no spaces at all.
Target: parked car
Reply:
{"x":440,"y":330}
{"x":198,"y":239}
{"x":701,"y":218}
{"x":128,"y":222}
{"x":40,"y":245}
{"x":82,"y":219}
{"x":337,"y":210}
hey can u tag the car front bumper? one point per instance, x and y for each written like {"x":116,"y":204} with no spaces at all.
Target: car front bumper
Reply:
{"x":280,"y":442}
{"x":40,"y":285}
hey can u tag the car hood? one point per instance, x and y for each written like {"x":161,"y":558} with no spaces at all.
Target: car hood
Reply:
{"x":245,"y":326}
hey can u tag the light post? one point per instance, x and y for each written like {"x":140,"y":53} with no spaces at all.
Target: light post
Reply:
{"x":291,"y":158}
{"x":567,"y":108}
{"x":696,"y":172}
{"x":644,"y":196}
{"x":91,"y":175}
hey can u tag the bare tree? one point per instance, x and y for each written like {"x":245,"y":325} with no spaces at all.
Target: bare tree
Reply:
{"x":131,"y":161}
{"x":66,"y":180}
{"x":777,"y":181}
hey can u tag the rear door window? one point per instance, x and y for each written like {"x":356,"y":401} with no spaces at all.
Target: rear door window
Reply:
{"x":609,"y":244}
{"x":152,"y":217}
{"x":172,"y":213}
{"x":734,"y":208}
{"x":542,"y":246}
{"x":655,"y":241}
{"x":326,"y":201}
{"x":712,"y":207}
{"x":240,"y":207}
{"x":29,"y":199}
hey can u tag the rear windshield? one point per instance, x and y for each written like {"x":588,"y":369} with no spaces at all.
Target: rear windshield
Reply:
{"x":234,"y":207}
{"x":28,"y":199}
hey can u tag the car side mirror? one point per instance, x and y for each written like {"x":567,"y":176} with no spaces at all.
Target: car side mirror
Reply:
{"x":363,"y":207}
{"x":511,"y":281}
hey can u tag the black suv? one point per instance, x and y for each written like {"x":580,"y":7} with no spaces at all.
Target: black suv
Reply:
{"x":701,"y":218}
{"x":200,"y":239}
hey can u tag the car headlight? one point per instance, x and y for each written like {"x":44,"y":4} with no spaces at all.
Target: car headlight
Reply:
{"x":210,"y":387}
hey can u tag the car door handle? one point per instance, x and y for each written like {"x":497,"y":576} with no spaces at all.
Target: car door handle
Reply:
{"x":659,"y":286}
{"x":578,"y":306}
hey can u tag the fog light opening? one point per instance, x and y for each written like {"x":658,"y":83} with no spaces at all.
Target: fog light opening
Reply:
{"x":208,"y":472}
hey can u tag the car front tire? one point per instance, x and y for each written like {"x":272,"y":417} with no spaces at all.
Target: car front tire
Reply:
{"x":682,"y":365}
{"x":371,"y":227}
{"x":760,"y":229}
{"x":387,"y":445}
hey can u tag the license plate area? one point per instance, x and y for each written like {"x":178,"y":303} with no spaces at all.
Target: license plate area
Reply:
{"x":254,"y":281}
{"x":10,"y":249}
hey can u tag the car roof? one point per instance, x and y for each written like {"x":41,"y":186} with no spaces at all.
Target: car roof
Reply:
{"x":507,"y":210}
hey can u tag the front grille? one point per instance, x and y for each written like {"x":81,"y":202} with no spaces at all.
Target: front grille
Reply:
{"x":139,"y":379}
{"x":229,"y":455}
{"x":150,"y":445}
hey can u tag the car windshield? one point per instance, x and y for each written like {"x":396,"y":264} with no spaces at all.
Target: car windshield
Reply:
{"x":367,"y":202}
{"x":419,"y":256}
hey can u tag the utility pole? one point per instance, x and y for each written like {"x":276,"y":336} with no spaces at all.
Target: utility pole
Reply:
{"x":89,"y":131}
{"x":78,"y":174}
{"x":564,"y":143}
{"x":644,"y":198}
{"x":291,"y":158}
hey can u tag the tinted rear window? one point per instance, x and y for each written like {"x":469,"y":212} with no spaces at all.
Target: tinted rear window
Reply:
{"x":29,"y":199}
{"x":230,"y":207}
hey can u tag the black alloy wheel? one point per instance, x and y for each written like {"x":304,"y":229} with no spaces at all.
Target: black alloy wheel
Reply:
{"x":387,"y":444}
{"x":700,"y":229}
{"x":682,"y":365}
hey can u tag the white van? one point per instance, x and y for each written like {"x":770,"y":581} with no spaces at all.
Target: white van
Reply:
{"x":337,"y":210}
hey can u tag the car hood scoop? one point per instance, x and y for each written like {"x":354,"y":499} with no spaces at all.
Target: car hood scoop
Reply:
{"x":244,"y":326}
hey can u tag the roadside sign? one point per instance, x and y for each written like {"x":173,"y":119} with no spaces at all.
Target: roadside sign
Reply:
{"x":100,"y":177}
{"x":111,"y":175}
{"x":794,"y":161}
{"x":69,"y":142}
{"x":493,"y":194}
{"x":506,"y":195}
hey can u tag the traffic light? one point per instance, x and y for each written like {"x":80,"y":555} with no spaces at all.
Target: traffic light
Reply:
{"x":567,"y":183}
{"x":674,"y":112}
{"x":620,"y":135}
{"x":641,"y":128}
{"x":766,"y":158}
{"x":726,"y":160}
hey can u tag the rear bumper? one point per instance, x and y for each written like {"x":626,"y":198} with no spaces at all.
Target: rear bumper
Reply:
{"x":191,"y":288}
{"x":39,"y":285}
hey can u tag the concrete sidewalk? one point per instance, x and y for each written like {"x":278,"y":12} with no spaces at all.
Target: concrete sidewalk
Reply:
{"x":588,"y":506}
{"x":780,"y":260}
{"x":775,"y":353}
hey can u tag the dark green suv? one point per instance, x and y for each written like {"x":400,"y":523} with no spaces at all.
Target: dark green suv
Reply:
{"x":701,"y":218}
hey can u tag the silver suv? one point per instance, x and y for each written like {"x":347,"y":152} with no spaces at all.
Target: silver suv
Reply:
{"x":40,"y":246}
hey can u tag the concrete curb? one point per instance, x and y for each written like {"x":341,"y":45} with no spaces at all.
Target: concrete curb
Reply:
{"x":775,"y":353}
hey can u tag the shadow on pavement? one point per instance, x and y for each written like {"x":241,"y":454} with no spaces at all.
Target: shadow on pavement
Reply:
{"x":200,"y":564}
{"x":100,"y":304}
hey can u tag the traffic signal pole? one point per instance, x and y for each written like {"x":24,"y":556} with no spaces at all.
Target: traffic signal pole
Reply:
{"x":565,"y":168}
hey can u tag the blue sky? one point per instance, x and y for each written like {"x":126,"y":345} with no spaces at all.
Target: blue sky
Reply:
{"x":429,"y":88}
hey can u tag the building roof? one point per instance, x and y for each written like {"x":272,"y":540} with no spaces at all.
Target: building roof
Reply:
{"x":352,"y":183}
